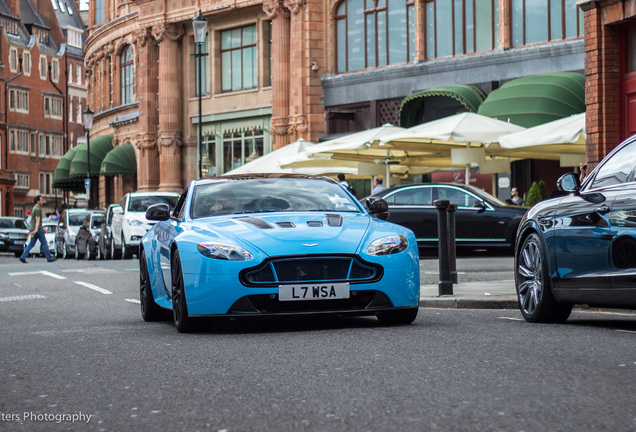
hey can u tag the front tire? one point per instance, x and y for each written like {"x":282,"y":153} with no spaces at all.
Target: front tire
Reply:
{"x":533,"y":285}
{"x":398,"y":317}
{"x":182,"y":321}
{"x":114,"y":252}
{"x":150,"y":311}
{"x":126,"y":251}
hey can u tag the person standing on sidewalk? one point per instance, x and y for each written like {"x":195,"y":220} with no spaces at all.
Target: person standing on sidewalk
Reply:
{"x":37,"y":233}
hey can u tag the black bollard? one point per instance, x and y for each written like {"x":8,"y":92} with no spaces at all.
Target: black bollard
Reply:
{"x":445,"y":286}
{"x":452,"y":248}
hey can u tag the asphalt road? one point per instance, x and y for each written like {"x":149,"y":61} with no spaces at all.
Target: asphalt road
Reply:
{"x":73,"y":343}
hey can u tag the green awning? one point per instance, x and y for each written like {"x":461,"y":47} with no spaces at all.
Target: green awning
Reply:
{"x":99,"y":147}
{"x":120,"y":161}
{"x":61,"y":179}
{"x":468,"y":96}
{"x":538,"y":99}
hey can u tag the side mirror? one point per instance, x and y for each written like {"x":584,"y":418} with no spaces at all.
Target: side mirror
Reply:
{"x":480,"y":205}
{"x":569,"y":183}
{"x":158,"y":212}
{"x":377,"y":207}
{"x":118,"y":210}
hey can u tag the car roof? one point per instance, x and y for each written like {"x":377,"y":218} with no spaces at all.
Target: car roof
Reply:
{"x":136,"y":194}
{"x":252,"y":176}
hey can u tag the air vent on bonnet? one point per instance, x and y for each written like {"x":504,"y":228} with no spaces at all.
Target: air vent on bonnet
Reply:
{"x":314,"y":223}
{"x":286,"y":224}
{"x":334,"y":220}
{"x":257,"y":222}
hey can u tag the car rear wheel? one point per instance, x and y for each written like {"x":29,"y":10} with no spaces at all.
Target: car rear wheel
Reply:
{"x":150,"y":311}
{"x":398,"y":317}
{"x":533,"y":285}
{"x":182,"y":321}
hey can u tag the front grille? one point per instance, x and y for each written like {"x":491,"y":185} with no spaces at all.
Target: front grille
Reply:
{"x":17,"y":236}
{"x":269,"y":304}
{"x":315,"y":268}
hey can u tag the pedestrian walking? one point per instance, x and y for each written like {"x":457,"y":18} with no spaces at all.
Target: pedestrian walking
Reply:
{"x":37,"y":232}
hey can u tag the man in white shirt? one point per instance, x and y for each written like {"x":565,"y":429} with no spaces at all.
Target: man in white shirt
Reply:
{"x":377,"y":186}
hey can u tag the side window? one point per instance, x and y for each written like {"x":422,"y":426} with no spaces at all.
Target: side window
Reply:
{"x":459,"y":197}
{"x":179,"y":209}
{"x":618,"y":169}
{"x":413,"y":196}
{"x":123,"y":203}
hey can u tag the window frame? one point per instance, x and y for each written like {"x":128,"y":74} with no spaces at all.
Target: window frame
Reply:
{"x":127,"y":75}
{"x":241,"y":48}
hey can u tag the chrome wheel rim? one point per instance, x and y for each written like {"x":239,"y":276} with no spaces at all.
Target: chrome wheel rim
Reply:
{"x":530,"y":277}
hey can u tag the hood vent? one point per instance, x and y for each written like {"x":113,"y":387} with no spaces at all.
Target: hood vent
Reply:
{"x":257,"y":222}
{"x":314,"y":223}
{"x":286,"y":224}
{"x":334,"y":220}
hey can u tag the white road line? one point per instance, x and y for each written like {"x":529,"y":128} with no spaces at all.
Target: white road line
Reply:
{"x":93,"y":287}
{"x":22,"y":297}
{"x":42,"y":272}
{"x":511,"y":319}
{"x":626,"y":331}
{"x":133,"y":301}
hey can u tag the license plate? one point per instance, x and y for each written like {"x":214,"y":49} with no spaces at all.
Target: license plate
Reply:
{"x":19,"y":242}
{"x":317,"y":291}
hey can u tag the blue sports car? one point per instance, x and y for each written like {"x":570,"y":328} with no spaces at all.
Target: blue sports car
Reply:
{"x":276,"y":244}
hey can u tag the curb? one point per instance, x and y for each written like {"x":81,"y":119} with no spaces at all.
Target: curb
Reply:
{"x":496,"y":302}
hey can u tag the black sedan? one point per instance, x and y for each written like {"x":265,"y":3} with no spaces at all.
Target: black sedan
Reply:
{"x":481,"y":220}
{"x":13,"y":235}
{"x":581,"y":248}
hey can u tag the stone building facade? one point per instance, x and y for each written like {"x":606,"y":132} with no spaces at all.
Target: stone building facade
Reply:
{"x":275,"y":71}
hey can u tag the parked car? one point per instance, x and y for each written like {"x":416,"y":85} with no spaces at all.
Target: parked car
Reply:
{"x":481,"y":220}
{"x":88,"y":237}
{"x":49,"y":233}
{"x":129,"y":226}
{"x":581,"y":248}
{"x":67,"y":228}
{"x":13,"y":234}
{"x":104,"y":243}
{"x":268,"y":244}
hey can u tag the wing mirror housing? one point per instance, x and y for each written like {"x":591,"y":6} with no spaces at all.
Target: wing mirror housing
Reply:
{"x":480,"y":205}
{"x":158,"y":212}
{"x":118,"y":210}
{"x":377,"y":207}
{"x":569,"y":183}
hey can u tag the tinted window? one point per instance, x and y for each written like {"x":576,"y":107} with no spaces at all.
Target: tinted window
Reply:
{"x":457,"y":196}
{"x":618,"y":169}
{"x":76,"y":219}
{"x":97,"y":222}
{"x":13,"y":223}
{"x":141,"y":203}
{"x":413,"y":196}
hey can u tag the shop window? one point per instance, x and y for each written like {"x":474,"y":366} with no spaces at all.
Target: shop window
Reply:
{"x":127,"y":79}
{"x":238,"y":59}
{"x":457,"y":27}
{"x":239,"y":145}
{"x":545,"y":20}
{"x":372,"y":33}
{"x":208,"y":159}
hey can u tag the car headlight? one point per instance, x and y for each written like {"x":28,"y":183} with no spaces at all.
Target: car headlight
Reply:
{"x":224,"y":251}
{"x":388,"y":245}
{"x":135,"y":222}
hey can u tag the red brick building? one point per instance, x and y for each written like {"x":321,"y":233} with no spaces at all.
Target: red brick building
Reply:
{"x":37,"y":123}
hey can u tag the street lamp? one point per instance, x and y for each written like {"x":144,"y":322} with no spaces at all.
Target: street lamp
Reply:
{"x":200,"y":27}
{"x":88,"y":125}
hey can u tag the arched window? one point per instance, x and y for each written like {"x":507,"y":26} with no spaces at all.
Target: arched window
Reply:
{"x":457,"y":27}
{"x":372,"y":33}
{"x":127,"y":80}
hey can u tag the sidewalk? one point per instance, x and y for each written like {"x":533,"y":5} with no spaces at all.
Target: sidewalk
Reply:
{"x":499,"y":294}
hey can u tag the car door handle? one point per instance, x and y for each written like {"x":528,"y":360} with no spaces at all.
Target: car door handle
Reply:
{"x":602,"y":210}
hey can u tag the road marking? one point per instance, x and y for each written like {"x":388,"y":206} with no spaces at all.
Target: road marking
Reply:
{"x":42,"y":272}
{"x":626,"y":331}
{"x":133,"y":301}
{"x":22,"y":297}
{"x":53,"y":275}
{"x":511,"y":319}
{"x":93,"y":287}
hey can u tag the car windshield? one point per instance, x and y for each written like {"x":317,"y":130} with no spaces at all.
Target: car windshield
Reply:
{"x":141,"y":203}
{"x":269,"y":195}
{"x":13,"y":223}
{"x":76,"y":219}
{"x":97,"y":221}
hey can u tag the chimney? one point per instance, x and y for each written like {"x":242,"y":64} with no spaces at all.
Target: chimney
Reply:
{"x":14,"y":7}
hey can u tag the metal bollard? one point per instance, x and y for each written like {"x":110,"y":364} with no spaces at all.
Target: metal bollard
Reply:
{"x":445,"y":286}
{"x":452,"y":248}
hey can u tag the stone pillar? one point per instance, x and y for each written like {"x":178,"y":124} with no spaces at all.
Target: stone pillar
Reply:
{"x":170,"y":139}
{"x":420,"y":33}
{"x":147,"y":85}
{"x":505,"y":24}
{"x":280,"y":71}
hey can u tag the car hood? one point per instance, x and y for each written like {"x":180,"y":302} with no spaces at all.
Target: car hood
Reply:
{"x":290,"y":233}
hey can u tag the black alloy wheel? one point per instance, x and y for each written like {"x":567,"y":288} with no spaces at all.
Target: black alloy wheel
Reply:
{"x":150,"y":311}
{"x":182,"y":321}
{"x":533,"y":285}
